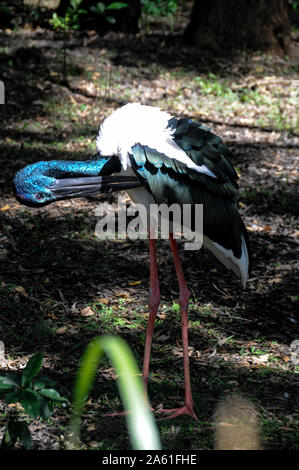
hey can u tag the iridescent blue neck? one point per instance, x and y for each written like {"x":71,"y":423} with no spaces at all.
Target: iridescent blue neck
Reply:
{"x":44,"y":182}
{"x":70,"y":169}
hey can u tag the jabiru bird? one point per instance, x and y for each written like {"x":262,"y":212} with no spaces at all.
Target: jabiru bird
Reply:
{"x":156,"y":158}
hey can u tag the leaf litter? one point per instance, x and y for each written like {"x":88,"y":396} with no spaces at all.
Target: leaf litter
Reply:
{"x":60,"y":286}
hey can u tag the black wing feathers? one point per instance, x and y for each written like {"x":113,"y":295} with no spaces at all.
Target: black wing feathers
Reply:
{"x":204,"y":148}
{"x":171,"y":181}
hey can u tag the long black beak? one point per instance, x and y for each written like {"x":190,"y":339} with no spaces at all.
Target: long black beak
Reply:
{"x":66,"y":188}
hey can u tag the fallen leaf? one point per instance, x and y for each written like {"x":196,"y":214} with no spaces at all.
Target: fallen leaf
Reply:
{"x":21,"y":291}
{"x":74,"y":308}
{"x":135,"y":283}
{"x":2,"y":350}
{"x":61,"y":330}
{"x":5,"y":208}
{"x":73,"y":99}
{"x":51,"y":315}
{"x":260,"y":359}
{"x":91,"y":428}
{"x":122,"y":294}
{"x":87,"y":312}
{"x":286,"y":359}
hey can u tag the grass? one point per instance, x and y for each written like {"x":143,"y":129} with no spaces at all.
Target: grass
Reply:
{"x":263,"y":103}
{"x":281,"y":201}
{"x":167,"y":384}
{"x":54,"y":256}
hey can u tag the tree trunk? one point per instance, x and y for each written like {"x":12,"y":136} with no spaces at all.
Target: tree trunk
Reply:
{"x":224,"y":25}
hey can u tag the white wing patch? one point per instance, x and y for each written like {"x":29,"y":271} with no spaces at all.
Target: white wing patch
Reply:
{"x":238,"y":265}
{"x":145,"y":125}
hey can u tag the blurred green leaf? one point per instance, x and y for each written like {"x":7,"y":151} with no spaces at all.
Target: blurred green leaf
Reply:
{"x":110,"y":19}
{"x":116,"y":6}
{"x":99,"y":8}
{"x":43,"y":382}
{"x":7,"y":383}
{"x":13,"y":397}
{"x":140,"y":421}
{"x":30,"y":402}
{"x":45,"y":408}
{"x":52,"y":394}
{"x":16,"y":430}
{"x":32,"y":367}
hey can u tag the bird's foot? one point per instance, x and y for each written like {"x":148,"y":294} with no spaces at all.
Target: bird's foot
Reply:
{"x":121,"y":413}
{"x":183,"y":410}
{"x":117,"y":413}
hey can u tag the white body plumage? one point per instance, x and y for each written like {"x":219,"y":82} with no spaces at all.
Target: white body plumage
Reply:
{"x":149,"y":126}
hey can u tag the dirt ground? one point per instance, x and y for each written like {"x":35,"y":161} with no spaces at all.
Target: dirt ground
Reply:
{"x":60,"y":286}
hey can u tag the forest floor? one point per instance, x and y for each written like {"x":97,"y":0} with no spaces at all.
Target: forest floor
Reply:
{"x":60,"y":286}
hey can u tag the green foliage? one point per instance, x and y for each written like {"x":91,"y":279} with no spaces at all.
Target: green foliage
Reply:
{"x":4,"y":9}
{"x":211,"y":85}
{"x":36,"y":398}
{"x":294,"y":4}
{"x":103,"y":10}
{"x":71,"y":19}
{"x":66,"y":23}
{"x":140,"y":422}
{"x":159,"y":7}
{"x":16,"y":430}
{"x":175,"y":307}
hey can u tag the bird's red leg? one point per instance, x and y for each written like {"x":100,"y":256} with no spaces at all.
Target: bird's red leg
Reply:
{"x":154,"y":301}
{"x":183,"y":301}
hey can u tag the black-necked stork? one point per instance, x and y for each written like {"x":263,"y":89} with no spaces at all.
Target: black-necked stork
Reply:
{"x":156,"y":158}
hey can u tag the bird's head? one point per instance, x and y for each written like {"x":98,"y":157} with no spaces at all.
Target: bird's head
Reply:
{"x":33,"y":185}
{"x":41,"y":183}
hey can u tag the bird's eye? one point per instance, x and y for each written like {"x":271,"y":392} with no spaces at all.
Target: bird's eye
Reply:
{"x":39,"y":197}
